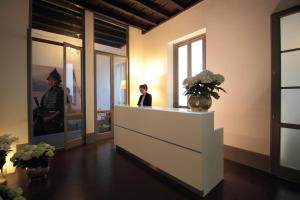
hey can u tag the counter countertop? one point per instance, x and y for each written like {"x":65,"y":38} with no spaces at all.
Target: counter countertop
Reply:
{"x":166,"y":109}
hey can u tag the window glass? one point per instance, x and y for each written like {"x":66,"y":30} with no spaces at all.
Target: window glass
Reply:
{"x":190,"y":61}
{"x":197,"y":58}
{"x":182,"y":73}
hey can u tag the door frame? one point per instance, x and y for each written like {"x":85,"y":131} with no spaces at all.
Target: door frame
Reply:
{"x":81,"y":141}
{"x":109,"y":134}
{"x":276,"y":169}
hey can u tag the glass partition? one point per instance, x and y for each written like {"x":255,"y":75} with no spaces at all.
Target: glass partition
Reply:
{"x":73,"y":90}
{"x":103,"y":85}
{"x":47,"y":95}
{"x":120,"y":83}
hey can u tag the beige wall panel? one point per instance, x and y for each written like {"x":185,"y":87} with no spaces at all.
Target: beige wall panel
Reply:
{"x":13,"y":68}
{"x":89,"y":72}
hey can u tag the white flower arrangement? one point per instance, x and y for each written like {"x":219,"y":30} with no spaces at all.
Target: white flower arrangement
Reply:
{"x":33,"y":156}
{"x":7,"y":193}
{"x":204,"y":83}
{"x":6,"y":141}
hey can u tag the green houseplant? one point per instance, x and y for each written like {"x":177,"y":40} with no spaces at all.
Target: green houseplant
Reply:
{"x":7,"y":193}
{"x":6,"y":141}
{"x":201,"y":87}
{"x":35,"y":158}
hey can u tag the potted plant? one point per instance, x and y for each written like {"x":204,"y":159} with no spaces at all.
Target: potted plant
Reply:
{"x":6,"y":141}
{"x":7,"y":193}
{"x":35,"y":158}
{"x":201,"y":87}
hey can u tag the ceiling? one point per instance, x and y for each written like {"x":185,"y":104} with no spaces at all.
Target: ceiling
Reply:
{"x":111,"y":16}
{"x":142,"y":14}
{"x":57,"y":17}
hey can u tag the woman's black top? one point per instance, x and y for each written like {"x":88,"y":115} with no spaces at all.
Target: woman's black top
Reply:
{"x":147,"y":100}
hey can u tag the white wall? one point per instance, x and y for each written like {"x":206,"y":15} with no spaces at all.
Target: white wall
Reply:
{"x":136,"y":65}
{"x":13,"y":68}
{"x":238,"y":46}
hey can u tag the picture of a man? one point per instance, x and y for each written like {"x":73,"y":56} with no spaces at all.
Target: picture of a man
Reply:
{"x":49,"y":115}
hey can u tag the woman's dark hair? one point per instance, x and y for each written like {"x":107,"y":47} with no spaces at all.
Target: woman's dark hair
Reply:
{"x":144,"y":86}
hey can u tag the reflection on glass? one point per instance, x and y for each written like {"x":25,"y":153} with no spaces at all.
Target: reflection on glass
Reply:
{"x":290,"y":68}
{"x":197,"y":57}
{"x":103,"y":121}
{"x":289,"y":148}
{"x":290,"y":106}
{"x":47,"y":90}
{"x":74,"y":94}
{"x":119,"y":80}
{"x":182,"y":74}
{"x":290,"y":31}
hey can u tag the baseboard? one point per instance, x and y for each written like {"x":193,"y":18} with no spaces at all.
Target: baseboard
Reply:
{"x":90,"y":138}
{"x":249,"y":158}
{"x":107,"y":136}
{"x":94,"y":137}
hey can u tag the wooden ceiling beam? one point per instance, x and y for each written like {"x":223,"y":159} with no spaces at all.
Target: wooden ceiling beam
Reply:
{"x":177,"y":4}
{"x":153,"y":7}
{"x":55,"y":21}
{"x":128,"y":11}
{"x":50,"y":14}
{"x":111,"y":27}
{"x":109,"y":42}
{"x":106,"y":15}
{"x":109,"y":30}
{"x":110,"y":36}
{"x":174,"y":15}
{"x":39,"y":5}
{"x":68,"y":7}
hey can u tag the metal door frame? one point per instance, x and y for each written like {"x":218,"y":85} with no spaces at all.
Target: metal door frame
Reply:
{"x":81,"y":141}
{"x":276,"y":168}
{"x":109,"y":134}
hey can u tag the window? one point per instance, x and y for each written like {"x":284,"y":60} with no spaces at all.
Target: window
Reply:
{"x":189,"y":60}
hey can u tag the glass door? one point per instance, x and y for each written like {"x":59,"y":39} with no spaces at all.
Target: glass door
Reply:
{"x":73,"y":101}
{"x":103,"y":93}
{"x":120,"y":80}
{"x":111,"y":89}
{"x":47,"y":93}
{"x":286,"y":95}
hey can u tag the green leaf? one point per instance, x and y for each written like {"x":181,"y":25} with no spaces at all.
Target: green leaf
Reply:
{"x":215,"y":95}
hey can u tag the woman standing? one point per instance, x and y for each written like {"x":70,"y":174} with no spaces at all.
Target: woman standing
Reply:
{"x":146,"y":98}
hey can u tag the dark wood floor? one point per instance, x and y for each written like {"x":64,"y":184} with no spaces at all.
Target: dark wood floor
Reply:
{"x":96,"y":171}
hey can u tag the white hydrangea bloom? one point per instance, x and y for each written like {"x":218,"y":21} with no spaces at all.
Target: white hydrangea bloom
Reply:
{"x":6,"y":141}
{"x":219,"y":78}
{"x":33,"y":151}
{"x":49,"y":154}
{"x":37,"y":152}
{"x":26,"y":155}
{"x":186,"y":82}
{"x":205,"y":76}
{"x":189,"y":81}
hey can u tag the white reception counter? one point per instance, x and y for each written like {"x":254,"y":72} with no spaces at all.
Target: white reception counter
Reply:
{"x":181,"y":143}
